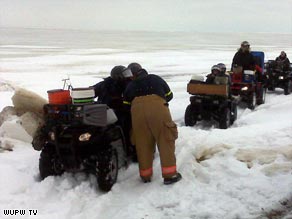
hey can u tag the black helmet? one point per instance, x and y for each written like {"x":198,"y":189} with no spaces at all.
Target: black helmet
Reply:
{"x":117,"y":72}
{"x":135,"y":67}
{"x":222,"y":67}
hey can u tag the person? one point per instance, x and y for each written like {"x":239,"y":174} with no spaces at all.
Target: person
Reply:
{"x":211,"y":77}
{"x":283,"y":61}
{"x":110,"y":92}
{"x":243,"y":58}
{"x":221,"y":76}
{"x":148,"y":96}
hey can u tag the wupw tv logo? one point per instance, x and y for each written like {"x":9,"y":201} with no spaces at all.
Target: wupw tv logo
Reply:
{"x":19,"y":212}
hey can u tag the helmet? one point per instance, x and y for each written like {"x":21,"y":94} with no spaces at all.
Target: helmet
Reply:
{"x":245,"y":44}
{"x":215,"y":68}
{"x":117,"y":72}
{"x":134,"y":67}
{"x":222,"y":67}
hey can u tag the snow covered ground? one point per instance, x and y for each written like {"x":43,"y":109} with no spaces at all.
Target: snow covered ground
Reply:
{"x":242,"y":172}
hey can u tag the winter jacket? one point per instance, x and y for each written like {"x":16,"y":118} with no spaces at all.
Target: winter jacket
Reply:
{"x":283,"y":63}
{"x":147,"y":84}
{"x":110,"y":92}
{"x":244,"y":59}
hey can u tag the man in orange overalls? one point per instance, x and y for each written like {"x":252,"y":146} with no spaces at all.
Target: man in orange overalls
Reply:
{"x":148,"y":95}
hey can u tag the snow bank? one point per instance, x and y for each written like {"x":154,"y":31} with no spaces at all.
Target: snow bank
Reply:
{"x":28,"y":101}
{"x":21,"y":121}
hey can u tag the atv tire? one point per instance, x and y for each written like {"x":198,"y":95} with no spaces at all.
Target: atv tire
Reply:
{"x":225,"y":120}
{"x":190,"y":117}
{"x":233,"y":113}
{"x":49,"y":165}
{"x":252,"y":101}
{"x":107,"y":169}
{"x":262,"y":98}
{"x":288,"y":88}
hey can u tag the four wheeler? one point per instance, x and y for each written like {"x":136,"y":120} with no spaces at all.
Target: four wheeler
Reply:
{"x":82,"y":136}
{"x":278,"y":77}
{"x":210,"y":102}
{"x":249,"y":85}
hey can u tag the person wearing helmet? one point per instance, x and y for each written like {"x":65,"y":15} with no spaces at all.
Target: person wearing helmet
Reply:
{"x":223,"y":75}
{"x":214,"y":71}
{"x":110,"y":92}
{"x":283,"y":62}
{"x":243,"y":58}
{"x":148,"y":96}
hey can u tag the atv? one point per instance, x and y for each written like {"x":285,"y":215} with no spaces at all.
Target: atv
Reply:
{"x":210,"y":102}
{"x":249,"y":86}
{"x":278,"y":77}
{"x":82,"y":136}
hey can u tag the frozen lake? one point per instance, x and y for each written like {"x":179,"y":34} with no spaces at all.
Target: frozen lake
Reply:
{"x":219,"y":187}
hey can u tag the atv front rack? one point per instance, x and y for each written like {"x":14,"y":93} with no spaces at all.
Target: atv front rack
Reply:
{"x":69,"y":114}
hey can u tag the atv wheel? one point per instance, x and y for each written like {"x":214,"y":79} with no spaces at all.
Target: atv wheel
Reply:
{"x":233,"y":113}
{"x":288,"y":88}
{"x":49,"y":165}
{"x":262,"y":99}
{"x":252,"y":101}
{"x":225,"y":120}
{"x":107,"y":170}
{"x":190,"y":117}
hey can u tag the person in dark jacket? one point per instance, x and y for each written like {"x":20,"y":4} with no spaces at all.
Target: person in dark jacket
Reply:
{"x":243,"y":58}
{"x":110,"y":91}
{"x":283,"y":62}
{"x":211,"y":77}
{"x":148,"y":95}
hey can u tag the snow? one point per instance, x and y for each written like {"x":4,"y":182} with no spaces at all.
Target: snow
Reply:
{"x":241,"y":172}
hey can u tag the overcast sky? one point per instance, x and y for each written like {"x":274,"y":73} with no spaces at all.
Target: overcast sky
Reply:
{"x":150,"y":15}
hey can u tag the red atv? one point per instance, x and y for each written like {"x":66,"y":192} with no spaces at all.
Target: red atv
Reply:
{"x":249,"y":85}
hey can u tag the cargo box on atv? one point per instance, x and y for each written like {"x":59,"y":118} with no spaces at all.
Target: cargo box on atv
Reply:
{"x":207,"y":89}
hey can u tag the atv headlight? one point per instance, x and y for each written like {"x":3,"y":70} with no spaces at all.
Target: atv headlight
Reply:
{"x":85,"y":137}
{"x":281,"y":77}
{"x":244,"y":88}
{"x":216,"y":101}
{"x":198,"y":101}
{"x":52,"y":136}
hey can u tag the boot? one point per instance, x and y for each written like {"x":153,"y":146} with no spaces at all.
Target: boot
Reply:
{"x":146,"y":180}
{"x":177,"y":177}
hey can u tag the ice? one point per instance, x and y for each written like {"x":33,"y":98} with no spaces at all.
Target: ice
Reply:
{"x":241,"y":172}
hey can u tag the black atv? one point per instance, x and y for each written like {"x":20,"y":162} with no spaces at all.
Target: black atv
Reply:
{"x":210,"y":102}
{"x":278,"y":77}
{"x":80,"y":138}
